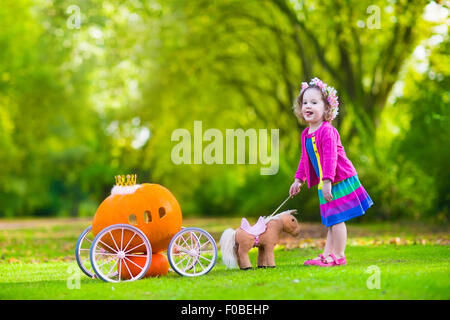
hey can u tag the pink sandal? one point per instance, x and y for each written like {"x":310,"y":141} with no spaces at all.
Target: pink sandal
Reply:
{"x":313,"y":262}
{"x":335,"y":262}
{"x":338,"y":262}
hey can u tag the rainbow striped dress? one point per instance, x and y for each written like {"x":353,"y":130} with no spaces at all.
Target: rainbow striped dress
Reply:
{"x":350,"y":199}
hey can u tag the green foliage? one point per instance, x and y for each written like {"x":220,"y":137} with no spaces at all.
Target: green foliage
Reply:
{"x":53,"y":141}
{"x":427,"y":144}
{"x":78,"y":106}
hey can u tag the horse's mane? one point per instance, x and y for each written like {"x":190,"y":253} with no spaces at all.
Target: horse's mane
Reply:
{"x":278,"y":216}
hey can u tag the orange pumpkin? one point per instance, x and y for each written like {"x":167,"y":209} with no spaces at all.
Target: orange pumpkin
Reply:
{"x":158,"y":267}
{"x":151,"y":207}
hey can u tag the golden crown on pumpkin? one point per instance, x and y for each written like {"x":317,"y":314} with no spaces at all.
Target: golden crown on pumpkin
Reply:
{"x":130,"y":180}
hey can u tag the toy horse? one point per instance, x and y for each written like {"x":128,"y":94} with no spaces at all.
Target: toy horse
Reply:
{"x":235,"y":244}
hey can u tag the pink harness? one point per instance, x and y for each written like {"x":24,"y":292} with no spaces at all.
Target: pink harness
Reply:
{"x":260,"y":225}
{"x":255,"y":230}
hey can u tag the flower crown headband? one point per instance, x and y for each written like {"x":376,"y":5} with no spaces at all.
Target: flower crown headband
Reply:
{"x":330,"y":93}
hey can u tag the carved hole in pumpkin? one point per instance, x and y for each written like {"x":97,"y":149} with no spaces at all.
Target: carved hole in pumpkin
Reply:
{"x":132,"y":219}
{"x":162,"y":212}
{"x":147,"y":216}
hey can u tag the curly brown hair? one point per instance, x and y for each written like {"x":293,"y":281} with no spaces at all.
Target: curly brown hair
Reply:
{"x":297,"y":107}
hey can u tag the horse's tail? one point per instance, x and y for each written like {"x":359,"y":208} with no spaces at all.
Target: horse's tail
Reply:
{"x":227,"y":242}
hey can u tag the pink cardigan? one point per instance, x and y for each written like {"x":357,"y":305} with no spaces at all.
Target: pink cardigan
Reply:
{"x":333,"y":160}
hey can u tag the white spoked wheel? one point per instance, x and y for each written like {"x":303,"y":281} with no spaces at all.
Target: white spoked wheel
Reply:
{"x":192,"y":252}
{"x":82,"y":249}
{"x":120,"y":253}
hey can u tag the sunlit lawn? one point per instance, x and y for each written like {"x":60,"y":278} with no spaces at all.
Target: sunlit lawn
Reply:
{"x":37,"y":262}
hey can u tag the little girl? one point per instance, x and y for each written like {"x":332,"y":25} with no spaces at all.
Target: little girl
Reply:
{"x":323,"y":162}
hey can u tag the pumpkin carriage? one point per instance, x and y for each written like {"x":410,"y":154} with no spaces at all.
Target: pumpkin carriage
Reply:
{"x":133,"y":227}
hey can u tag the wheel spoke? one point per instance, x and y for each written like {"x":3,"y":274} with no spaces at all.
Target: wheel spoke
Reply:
{"x":181,"y":261}
{"x":129,"y":242}
{"x":178,"y":254}
{"x":112,"y":268}
{"x":120,"y":267}
{"x":129,"y":272}
{"x":107,"y":246}
{"x":203,"y":268}
{"x":135,"y":264}
{"x":113,"y":240}
{"x":188,"y":264}
{"x":205,"y":258}
{"x":106,"y":254}
{"x":204,"y":244}
{"x":192,"y":240}
{"x":134,"y":255}
{"x":183,"y":250}
{"x":199,"y":243}
{"x":184,"y":241}
{"x":106,"y":261}
{"x":135,"y":247}
{"x":181,"y":241}
{"x":121,"y":241}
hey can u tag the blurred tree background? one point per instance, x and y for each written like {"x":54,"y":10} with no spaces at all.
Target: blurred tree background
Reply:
{"x":84,"y":100}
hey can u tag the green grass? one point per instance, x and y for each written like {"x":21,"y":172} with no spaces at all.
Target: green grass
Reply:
{"x":38,"y":263}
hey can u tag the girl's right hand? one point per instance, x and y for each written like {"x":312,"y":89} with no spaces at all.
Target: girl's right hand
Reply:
{"x":295,"y":188}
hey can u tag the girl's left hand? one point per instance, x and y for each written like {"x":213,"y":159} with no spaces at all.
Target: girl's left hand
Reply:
{"x":326,"y":190}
